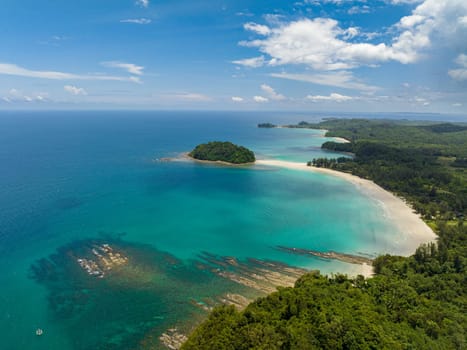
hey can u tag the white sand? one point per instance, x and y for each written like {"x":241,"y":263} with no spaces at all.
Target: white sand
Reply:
{"x":339,"y":139}
{"x":415,"y":231}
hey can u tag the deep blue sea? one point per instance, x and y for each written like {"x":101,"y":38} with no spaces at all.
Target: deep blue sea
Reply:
{"x":70,"y":181}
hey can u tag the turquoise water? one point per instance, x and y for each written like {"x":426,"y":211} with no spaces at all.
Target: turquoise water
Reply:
{"x":69,"y":179}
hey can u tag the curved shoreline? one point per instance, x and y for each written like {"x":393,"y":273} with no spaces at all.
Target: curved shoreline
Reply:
{"x":415,"y":230}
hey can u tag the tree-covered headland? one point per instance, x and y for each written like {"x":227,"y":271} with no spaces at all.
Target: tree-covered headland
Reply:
{"x":223,"y":152}
{"x":424,"y":163}
{"x":416,"y":302}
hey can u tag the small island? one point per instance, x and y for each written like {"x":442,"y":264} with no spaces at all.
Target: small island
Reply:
{"x":267,"y":125}
{"x":226,"y":152}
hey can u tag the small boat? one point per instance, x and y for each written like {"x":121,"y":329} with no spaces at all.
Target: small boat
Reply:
{"x":39,"y":332}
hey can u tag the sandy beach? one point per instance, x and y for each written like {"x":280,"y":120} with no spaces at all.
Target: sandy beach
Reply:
{"x":415,"y":230}
{"x":340,"y":139}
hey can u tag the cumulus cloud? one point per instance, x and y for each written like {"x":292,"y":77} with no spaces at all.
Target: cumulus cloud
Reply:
{"x":237,"y":99}
{"x":322,"y":44}
{"x":332,"y":97}
{"x":462,"y":60}
{"x":13,"y":69}
{"x":459,"y":73}
{"x":254,"y":62}
{"x":273,"y":95}
{"x":136,"y":20}
{"x":74,"y":90}
{"x":257,"y":28}
{"x":260,"y":99}
{"x":15,"y":95}
{"x":129,"y":67}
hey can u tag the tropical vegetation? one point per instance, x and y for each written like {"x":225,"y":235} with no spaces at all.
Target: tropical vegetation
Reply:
{"x":224,"y":152}
{"x":416,"y":302}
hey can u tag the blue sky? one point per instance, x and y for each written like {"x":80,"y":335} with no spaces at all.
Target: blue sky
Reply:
{"x":327,"y":55}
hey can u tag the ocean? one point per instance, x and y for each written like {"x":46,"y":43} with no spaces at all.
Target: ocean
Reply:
{"x":180,"y":233}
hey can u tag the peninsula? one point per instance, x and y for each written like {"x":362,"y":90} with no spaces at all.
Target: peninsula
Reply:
{"x":223,"y":152}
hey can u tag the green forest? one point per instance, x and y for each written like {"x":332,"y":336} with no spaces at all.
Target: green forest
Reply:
{"x":425,"y":163}
{"x":416,"y":302}
{"x":224,"y":152}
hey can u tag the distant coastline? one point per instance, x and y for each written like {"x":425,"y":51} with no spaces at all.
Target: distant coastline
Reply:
{"x":274,"y":126}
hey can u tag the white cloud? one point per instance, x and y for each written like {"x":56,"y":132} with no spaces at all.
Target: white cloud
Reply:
{"x":136,"y":80}
{"x":340,"y":79}
{"x":332,"y":97}
{"x":273,"y":95}
{"x":462,"y":60}
{"x":142,"y":3}
{"x":457,"y":104}
{"x":410,"y":21}
{"x":54,"y":40}
{"x":351,"y":32}
{"x":129,"y":67}
{"x":335,"y":2}
{"x":185,"y":97}
{"x":322,"y":44}
{"x":257,"y":28}
{"x":15,"y":95}
{"x":136,"y":20}
{"x":410,"y":2}
{"x":237,"y":99}
{"x":421,"y":100}
{"x":74,"y":90}
{"x":459,"y":73}
{"x":254,"y":62}
{"x":13,"y":69}
{"x":14,"y":92}
{"x":359,"y":9}
{"x":244,"y":14}
{"x":260,"y":99}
